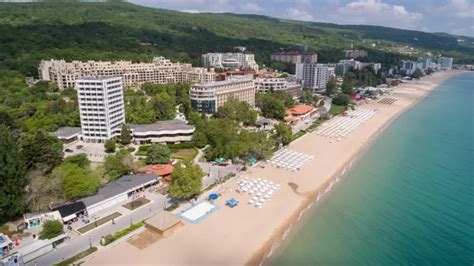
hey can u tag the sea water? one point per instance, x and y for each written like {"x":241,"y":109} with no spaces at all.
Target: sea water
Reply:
{"x":409,"y":200}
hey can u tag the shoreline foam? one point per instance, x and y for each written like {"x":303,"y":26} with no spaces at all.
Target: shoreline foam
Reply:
{"x":246,"y":235}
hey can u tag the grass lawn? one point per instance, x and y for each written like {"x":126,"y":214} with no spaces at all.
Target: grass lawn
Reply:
{"x":183,"y":154}
{"x":337,"y":109}
{"x":93,"y":224}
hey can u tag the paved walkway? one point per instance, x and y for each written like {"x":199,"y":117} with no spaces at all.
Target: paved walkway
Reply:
{"x":92,"y":238}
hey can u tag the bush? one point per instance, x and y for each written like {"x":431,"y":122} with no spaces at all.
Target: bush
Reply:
{"x":131,"y":149}
{"x":111,"y":238}
{"x":158,"y":154}
{"x":109,"y":146}
{"x":173,"y":206}
{"x":342,"y":99}
{"x":51,"y":229}
{"x":77,"y":257}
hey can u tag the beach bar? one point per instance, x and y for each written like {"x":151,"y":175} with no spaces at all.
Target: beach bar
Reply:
{"x":164,"y":223}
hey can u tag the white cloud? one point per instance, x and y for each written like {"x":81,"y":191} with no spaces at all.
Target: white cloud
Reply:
{"x":376,"y":12}
{"x":298,"y":14}
{"x":250,"y":7}
{"x":458,"y":8}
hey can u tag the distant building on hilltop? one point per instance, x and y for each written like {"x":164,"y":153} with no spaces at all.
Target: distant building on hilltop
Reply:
{"x":345,"y":65}
{"x":229,"y":60}
{"x":355,"y":53}
{"x":159,"y":71}
{"x":101,"y":107}
{"x":295,"y":57}
{"x":208,"y":97}
{"x":313,"y":76}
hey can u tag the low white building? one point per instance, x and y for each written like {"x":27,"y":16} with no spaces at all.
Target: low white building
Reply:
{"x":265,"y":85}
{"x":171,"y":131}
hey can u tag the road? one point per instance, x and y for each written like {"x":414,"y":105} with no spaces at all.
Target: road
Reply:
{"x":93,"y":237}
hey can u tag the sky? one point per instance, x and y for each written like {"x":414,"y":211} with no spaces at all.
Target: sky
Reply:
{"x":451,"y":16}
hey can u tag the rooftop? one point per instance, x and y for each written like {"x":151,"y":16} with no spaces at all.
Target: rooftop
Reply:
{"x":300,"y":109}
{"x":67,"y":132}
{"x":168,"y":125}
{"x":119,"y":186}
{"x":100,"y":78}
{"x":229,"y":81}
{"x":163,"y":221}
{"x":294,"y":53}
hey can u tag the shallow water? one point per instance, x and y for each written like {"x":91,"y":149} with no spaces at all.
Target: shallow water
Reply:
{"x":410,"y":197}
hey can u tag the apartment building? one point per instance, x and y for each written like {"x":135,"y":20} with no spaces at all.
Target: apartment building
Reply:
{"x":409,"y":67}
{"x":355,"y":53}
{"x":159,"y":71}
{"x":445,"y":63}
{"x":271,"y":84}
{"x":295,"y":57}
{"x":101,"y":107}
{"x":208,"y":97}
{"x":229,"y":60}
{"x":345,"y":65}
{"x":313,"y":76}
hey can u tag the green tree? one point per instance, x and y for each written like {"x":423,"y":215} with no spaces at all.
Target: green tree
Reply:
{"x":12,"y":176}
{"x":237,"y":111}
{"x":125,"y":137}
{"x":271,"y":107}
{"x":42,"y":151}
{"x":342,"y":99}
{"x":186,"y":180}
{"x":51,"y":229}
{"x":158,"y":154}
{"x":109,"y":146}
{"x":417,"y":74}
{"x":331,"y":86}
{"x":76,"y":181}
{"x":348,"y":83}
{"x":80,"y":160}
{"x":283,"y":133}
{"x":165,"y":105}
{"x":118,"y":165}
{"x":199,"y":139}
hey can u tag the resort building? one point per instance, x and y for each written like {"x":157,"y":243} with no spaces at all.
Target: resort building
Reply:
{"x":299,"y":113}
{"x":295,"y":57}
{"x":445,"y":63}
{"x":207,"y":97}
{"x":345,"y":65}
{"x":409,"y":67}
{"x":159,"y":71}
{"x":229,"y":60}
{"x":107,"y":196}
{"x":171,"y":131}
{"x":265,"y":85}
{"x":313,"y":76}
{"x":101,"y":107}
{"x":355,"y":53}
{"x":249,"y":73}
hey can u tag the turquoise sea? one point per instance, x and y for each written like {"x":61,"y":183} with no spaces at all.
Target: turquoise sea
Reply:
{"x":409,"y":200}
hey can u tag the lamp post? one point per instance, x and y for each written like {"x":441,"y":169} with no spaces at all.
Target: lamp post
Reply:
{"x":90,"y":242}
{"x":131,"y":220}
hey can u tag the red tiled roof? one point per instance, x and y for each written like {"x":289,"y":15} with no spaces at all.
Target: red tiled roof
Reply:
{"x":159,"y":169}
{"x":300,"y":109}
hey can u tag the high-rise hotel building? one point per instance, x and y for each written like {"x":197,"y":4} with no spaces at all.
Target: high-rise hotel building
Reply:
{"x":207,"y":97}
{"x":101,"y":107}
{"x":313,"y":76}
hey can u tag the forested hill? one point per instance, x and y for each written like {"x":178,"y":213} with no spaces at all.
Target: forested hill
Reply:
{"x":30,"y":32}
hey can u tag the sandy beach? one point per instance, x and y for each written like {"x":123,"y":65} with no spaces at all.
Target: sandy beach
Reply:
{"x":246,"y":234}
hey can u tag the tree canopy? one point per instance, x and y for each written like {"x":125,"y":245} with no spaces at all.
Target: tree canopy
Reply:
{"x":186,"y":180}
{"x":237,"y":111}
{"x":80,"y":160}
{"x":158,"y":154}
{"x":42,"y":151}
{"x":125,"y":136}
{"x":118,"y":164}
{"x":51,"y":229}
{"x":109,"y":146}
{"x":12,"y":176}
{"x":76,"y":181}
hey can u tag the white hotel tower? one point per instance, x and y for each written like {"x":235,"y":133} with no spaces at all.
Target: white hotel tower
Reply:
{"x":101,"y":107}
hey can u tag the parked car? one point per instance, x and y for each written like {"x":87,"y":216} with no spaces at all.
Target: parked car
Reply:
{"x":79,"y":147}
{"x":68,"y":150}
